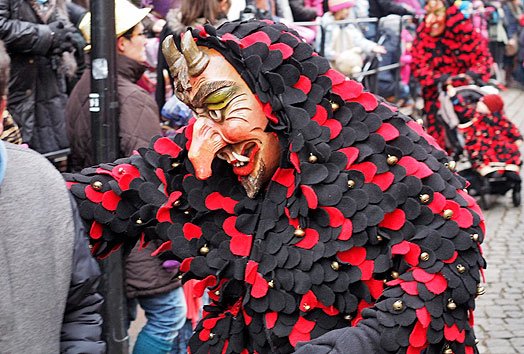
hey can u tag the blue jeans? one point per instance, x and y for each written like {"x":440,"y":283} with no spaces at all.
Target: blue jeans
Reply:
{"x":165,"y":313}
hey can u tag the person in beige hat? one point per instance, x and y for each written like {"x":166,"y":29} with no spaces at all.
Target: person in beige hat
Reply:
{"x":148,"y":283}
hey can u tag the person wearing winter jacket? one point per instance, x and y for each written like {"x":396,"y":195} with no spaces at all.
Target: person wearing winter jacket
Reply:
{"x":301,"y":12}
{"x":382,"y":8}
{"x":39,"y":38}
{"x":48,"y":298}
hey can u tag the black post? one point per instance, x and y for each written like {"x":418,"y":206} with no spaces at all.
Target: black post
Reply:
{"x":103,"y":104}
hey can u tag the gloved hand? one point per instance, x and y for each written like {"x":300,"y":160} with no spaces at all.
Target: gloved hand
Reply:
{"x":62,"y":38}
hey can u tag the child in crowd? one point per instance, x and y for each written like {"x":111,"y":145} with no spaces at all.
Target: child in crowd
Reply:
{"x":491,"y":139}
{"x":339,"y":39}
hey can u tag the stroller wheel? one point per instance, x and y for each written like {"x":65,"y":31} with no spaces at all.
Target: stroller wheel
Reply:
{"x":515,"y":195}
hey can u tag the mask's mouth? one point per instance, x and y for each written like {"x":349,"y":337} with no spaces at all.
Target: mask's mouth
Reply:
{"x":242,"y":160}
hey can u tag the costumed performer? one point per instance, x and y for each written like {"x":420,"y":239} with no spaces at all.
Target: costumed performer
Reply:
{"x":446,"y":45}
{"x":304,"y":204}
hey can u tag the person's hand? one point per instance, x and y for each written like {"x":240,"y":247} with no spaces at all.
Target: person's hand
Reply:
{"x":450,"y":89}
{"x":379,"y":49}
{"x":62,"y":38}
{"x":158,"y":26}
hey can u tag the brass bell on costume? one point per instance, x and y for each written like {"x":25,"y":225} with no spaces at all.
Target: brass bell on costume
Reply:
{"x":312,"y":158}
{"x":461,"y":269}
{"x":424,"y":256}
{"x":451,"y":165}
{"x":334,"y":106}
{"x":138,"y":221}
{"x":451,"y":304}
{"x":392,"y":160}
{"x":474,"y":237}
{"x":335,"y":265}
{"x":307,"y":308}
{"x":394,"y":274}
{"x":424,"y":198}
{"x":447,"y":214}
{"x":217,"y":293}
{"x":175,"y":164}
{"x":271,"y":283}
{"x":204,"y":250}
{"x":398,"y":305}
{"x":348,"y":317}
{"x":121,"y":170}
{"x":481,"y":290}
{"x":177,"y":202}
{"x":97,"y":185}
{"x":351,"y":183}
{"x":299,"y":232}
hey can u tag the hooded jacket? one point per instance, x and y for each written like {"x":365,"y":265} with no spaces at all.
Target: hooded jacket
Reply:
{"x":459,"y":50}
{"x":138,"y":117}
{"x":37,"y":84}
{"x":362,"y":228}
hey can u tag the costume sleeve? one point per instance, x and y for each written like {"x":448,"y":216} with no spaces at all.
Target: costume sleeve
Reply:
{"x":22,"y":36}
{"x":123,"y":202}
{"x":82,"y":325}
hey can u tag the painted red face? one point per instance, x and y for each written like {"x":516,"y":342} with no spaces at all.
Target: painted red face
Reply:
{"x":230,"y":125}
{"x":435,"y":17}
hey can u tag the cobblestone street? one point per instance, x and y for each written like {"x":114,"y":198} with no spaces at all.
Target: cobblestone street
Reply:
{"x":500,"y":311}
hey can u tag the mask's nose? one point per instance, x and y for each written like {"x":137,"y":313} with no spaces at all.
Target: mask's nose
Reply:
{"x":205,"y":144}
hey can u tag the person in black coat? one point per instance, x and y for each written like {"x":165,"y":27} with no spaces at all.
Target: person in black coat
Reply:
{"x":39,"y":38}
{"x":382,"y":8}
{"x":301,"y":12}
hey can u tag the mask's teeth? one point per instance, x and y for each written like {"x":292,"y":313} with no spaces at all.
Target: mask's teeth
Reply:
{"x":239,"y":157}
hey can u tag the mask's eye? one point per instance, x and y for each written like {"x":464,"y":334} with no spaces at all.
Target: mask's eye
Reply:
{"x":216,"y":115}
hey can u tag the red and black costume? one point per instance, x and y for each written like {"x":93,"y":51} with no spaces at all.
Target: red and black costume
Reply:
{"x":362,"y":227}
{"x":490,"y":139}
{"x":458,"y":50}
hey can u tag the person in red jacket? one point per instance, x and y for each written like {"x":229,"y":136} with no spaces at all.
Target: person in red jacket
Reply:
{"x":446,"y":45}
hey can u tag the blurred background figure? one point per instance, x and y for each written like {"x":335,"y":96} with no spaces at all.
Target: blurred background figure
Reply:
{"x":40,"y":40}
{"x":514,"y":50}
{"x":148,"y":283}
{"x":345,"y":45}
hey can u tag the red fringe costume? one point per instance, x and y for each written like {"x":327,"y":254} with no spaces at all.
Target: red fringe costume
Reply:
{"x":388,"y":242}
{"x":458,"y":50}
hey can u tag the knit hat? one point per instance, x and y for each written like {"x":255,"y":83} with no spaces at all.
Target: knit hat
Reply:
{"x":337,"y":5}
{"x":493,"y":102}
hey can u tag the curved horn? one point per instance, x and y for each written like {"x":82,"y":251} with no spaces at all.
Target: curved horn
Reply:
{"x":196,"y":59}
{"x":177,"y":65}
{"x":170,"y":51}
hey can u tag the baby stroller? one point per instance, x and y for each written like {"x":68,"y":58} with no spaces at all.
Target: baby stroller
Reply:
{"x":496,"y":179}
